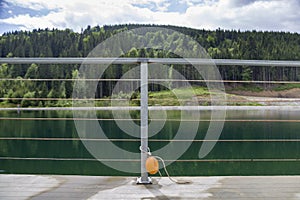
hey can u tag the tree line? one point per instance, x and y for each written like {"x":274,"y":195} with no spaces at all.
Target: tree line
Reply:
{"x":225,"y":44}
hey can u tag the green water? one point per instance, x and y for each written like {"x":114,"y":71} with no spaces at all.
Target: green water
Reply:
{"x":256,"y":157}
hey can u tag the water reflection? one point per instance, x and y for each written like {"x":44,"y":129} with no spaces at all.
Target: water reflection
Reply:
{"x":254,"y":141}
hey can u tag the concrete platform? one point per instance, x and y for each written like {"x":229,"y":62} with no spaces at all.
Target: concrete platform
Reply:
{"x":93,"y":187}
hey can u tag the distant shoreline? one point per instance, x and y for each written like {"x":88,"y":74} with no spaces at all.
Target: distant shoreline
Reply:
{"x":247,"y":96}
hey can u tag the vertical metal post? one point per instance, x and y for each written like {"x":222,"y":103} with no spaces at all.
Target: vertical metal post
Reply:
{"x":144,"y":179}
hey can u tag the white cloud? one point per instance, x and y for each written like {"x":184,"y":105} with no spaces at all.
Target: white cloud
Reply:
{"x":262,"y":15}
{"x":228,"y":14}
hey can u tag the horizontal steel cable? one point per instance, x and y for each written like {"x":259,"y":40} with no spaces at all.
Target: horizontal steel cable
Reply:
{"x":153,"y":99}
{"x":153,"y":80}
{"x":154,"y":108}
{"x":66,"y":99}
{"x":150,"y":140}
{"x":138,"y":160}
{"x":125,"y":119}
{"x":63,"y":79}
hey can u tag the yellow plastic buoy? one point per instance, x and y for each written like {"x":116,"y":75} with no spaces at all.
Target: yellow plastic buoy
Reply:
{"x":152,"y":165}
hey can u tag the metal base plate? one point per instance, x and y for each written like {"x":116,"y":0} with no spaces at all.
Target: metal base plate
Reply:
{"x":140,"y":181}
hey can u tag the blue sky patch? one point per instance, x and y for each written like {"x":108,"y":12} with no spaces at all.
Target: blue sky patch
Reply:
{"x":174,"y":6}
{"x":10,"y":10}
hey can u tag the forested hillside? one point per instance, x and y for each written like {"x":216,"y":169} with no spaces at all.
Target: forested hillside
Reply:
{"x":66,"y":43}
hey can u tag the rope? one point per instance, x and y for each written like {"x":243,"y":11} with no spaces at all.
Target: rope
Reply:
{"x":170,"y":178}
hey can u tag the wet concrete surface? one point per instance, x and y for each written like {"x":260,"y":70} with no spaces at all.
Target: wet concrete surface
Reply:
{"x":94,"y":187}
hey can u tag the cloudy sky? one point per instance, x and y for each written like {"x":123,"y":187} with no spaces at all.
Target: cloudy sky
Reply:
{"x":275,"y":15}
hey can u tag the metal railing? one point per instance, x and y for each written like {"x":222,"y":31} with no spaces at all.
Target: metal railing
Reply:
{"x":143,"y":62}
{"x":180,"y":61}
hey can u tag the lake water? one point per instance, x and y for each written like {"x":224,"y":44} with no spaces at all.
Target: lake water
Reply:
{"x":247,"y":145}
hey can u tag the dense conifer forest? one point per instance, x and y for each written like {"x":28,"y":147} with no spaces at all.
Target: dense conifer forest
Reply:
{"x":225,"y":44}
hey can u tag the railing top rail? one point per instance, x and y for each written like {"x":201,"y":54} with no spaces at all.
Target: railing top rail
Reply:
{"x":182,"y":61}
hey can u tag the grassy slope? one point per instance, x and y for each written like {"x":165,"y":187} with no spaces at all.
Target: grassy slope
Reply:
{"x":185,"y":96}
